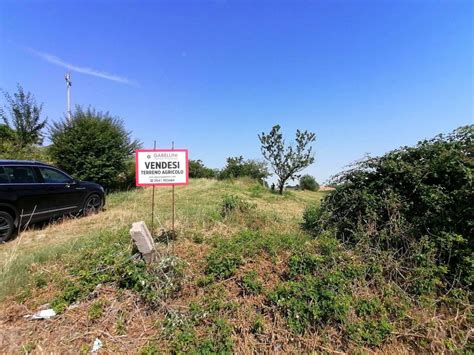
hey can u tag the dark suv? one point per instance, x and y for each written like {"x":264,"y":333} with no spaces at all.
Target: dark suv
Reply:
{"x":31,"y":192}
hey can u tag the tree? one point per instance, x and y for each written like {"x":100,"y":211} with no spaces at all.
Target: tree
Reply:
{"x":24,"y":119}
{"x":287,"y":162}
{"x":197,"y":170}
{"x":307,"y":182}
{"x":93,"y":146}
{"x":238,"y":167}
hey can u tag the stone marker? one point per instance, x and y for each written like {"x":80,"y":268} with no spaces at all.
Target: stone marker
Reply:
{"x":143,"y":240}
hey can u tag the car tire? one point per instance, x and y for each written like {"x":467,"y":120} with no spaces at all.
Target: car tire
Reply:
{"x":93,"y":204}
{"x":7,"y":226}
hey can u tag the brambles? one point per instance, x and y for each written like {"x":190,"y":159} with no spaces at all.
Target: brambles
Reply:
{"x":114,"y":264}
{"x":311,"y":219}
{"x":415,"y":202}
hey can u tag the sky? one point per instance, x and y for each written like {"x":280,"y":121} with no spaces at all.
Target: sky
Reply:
{"x":366,"y":76}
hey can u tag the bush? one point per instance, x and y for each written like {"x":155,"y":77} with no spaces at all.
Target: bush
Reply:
{"x":415,"y":202}
{"x":238,"y":167}
{"x":233,"y":203}
{"x":93,"y":146}
{"x":197,"y":170}
{"x":307,"y":182}
{"x":311,"y":218}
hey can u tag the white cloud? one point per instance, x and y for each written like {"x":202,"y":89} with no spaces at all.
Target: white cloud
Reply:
{"x":84,"y":70}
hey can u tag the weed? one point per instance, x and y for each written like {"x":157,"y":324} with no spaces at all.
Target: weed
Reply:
{"x":222,"y":265}
{"x":303,"y":263}
{"x":40,"y":281}
{"x":312,"y":301}
{"x":205,"y":280}
{"x":249,"y":283}
{"x":166,"y":236}
{"x":120,"y":327}
{"x":149,"y":349}
{"x":28,"y":347}
{"x":219,"y":340}
{"x":96,"y":310}
{"x":233,"y":203}
{"x":368,"y":307}
{"x":229,"y":254}
{"x":258,"y":326}
{"x":370,"y":332}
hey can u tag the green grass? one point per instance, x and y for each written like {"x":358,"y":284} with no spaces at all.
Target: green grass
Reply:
{"x":239,"y":272}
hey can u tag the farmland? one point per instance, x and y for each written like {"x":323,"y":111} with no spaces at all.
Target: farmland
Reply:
{"x":239,"y":275}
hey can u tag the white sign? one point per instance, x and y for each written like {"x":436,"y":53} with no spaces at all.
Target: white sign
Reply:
{"x":162,"y":167}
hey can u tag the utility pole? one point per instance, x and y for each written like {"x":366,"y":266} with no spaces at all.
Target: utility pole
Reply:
{"x":67,"y":77}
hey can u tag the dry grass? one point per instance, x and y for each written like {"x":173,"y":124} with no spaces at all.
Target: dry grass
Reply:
{"x":126,"y":324}
{"x":198,"y":215}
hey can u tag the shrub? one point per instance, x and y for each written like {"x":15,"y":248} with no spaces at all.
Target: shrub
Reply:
{"x":93,"y":146}
{"x":233,"y":203}
{"x":197,"y":170}
{"x":410,"y":198}
{"x":238,"y":167}
{"x":311,"y":219}
{"x":311,"y":301}
{"x":307,"y":182}
{"x":112,"y":262}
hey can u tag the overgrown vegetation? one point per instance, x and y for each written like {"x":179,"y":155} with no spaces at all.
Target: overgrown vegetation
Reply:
{"x":381,"y":265}
{"x":238,"y":167}
{"x":112,"y":262}
{"x":414,"y":204}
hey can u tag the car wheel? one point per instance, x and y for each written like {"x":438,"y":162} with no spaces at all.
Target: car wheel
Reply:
{"x":7,"y":227}
{"x":93,"y":204}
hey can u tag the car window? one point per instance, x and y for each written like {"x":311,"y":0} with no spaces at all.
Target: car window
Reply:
{"x":18,"y":175}
{"x":53,"y":176}
{"x":3,"y":176}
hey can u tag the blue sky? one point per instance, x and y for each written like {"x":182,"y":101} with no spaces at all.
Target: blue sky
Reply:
{"x":366,"y":76}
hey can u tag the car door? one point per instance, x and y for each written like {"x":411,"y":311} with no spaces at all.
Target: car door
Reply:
{"x":63,"y":194}
{"x":24,"y":192}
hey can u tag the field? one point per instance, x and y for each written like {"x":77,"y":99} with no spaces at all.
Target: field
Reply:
{"x":234,"y":278}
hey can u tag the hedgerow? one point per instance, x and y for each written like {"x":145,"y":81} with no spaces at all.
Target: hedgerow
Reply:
{"x":415,"y":203}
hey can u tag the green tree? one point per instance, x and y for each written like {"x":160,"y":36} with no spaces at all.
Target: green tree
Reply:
{"x":287,"y":162}
{"x":197,"y":170}
{"x":25,"y":118}
{"x":307,"y":182}
{"x":238,"y":167}
{"x":93,"y":146}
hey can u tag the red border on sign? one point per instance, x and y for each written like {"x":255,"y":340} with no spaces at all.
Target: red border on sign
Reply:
{"x":160,"y":151}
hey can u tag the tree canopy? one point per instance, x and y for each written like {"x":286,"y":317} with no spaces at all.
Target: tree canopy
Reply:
{"x":94,"y":146}
{"x":287,"y":161}
{"x":22,"y":115}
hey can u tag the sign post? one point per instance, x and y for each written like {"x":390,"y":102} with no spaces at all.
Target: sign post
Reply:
{"x":162,"y":167}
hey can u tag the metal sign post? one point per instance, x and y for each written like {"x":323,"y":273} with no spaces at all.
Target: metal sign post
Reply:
{"x":173,"y":207}
{"x":153,"y":202}
{"x":162,"y":167}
